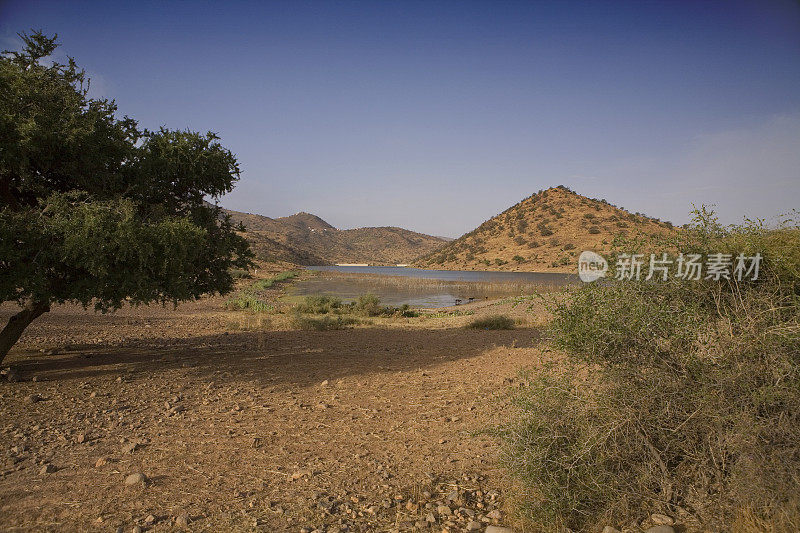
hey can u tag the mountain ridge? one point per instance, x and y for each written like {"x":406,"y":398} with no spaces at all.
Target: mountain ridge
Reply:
{"x":543,"y":232}
{"x":306,"y":239}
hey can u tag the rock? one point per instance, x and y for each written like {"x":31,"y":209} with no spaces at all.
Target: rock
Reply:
{"x":80,"y":439}
{"x":474,"y":526}
{"x":324,"y":383}
{"x":137,"y":529}
{"x":12,"y":375}
{"x":661,"y":519}
{"x":430,"y":518}
{"x":47,"y":469}
{"x":135,"y":479}
{"x":660,"y":529}
{"x":103,"y":461}
{"x":609,"y":529}
{"x":182,"y":520}
{"x":444,"y":510}
{"x":130,"y":447}
{"x":33,"y":398}
{"x":498,"y":529}
{"x":495,"y":515}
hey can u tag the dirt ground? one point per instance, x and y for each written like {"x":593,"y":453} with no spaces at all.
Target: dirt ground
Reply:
{"x":377,"y":428}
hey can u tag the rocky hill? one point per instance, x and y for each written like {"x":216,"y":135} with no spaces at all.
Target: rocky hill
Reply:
{"x":544,"y":232}
{"x":306,"y":239}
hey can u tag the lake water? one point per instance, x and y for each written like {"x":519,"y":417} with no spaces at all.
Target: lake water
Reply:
{"x":423,"y":288}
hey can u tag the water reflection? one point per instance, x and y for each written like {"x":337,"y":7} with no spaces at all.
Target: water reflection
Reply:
{"x":424,"y":288}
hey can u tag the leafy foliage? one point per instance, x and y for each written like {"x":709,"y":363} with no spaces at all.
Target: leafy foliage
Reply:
{"x":94,"y":210}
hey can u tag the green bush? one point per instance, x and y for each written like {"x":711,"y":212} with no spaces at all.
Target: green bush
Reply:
{"x":369,"y":305}
{"x":319,"y":305}
{"x":492,"y":322}
{"x":263,"y":284}
{"x":677,"y":397}
{"x":240,"y":273}
{"x":325,"y":323}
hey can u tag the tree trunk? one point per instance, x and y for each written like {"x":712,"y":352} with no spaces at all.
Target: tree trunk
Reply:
{"x":17,"y":324}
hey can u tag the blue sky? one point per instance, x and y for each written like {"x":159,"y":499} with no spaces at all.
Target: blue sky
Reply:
{"x":438,"y":115}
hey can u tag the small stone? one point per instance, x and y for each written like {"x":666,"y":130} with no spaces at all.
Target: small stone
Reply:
{"x":47,"y":469}
{"x":182,"y":520}
{"x":661,"y":519}
{"x":609,"y":529}
{"x":431,"y":518}
{"x":103,"y":461}
{"x":419,"y":524}
{"x":444,"y":510}
{"x":324,"y":383}
{"x":80,"y":439}
{"x":498,"y":529}
{"x":135,"y":479}
{"x":33,"y":398}
{"x":130,"y":447}
{"x":660,"y":529}
{"x":495,"y":515}
{"x":137,"y":529}
{"x":150,"y":520}
{"x":474,"y":526}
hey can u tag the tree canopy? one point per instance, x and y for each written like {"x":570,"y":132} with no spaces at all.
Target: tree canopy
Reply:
{"x":94,"y":209}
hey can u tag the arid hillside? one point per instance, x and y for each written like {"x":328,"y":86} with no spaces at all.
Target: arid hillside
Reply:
{"x":306,"y":239}
{"x":544,"y":232}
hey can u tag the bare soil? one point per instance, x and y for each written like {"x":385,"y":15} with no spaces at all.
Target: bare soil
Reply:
{"x":368,"y":429}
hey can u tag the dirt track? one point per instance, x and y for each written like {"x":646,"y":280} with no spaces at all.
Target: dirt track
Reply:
{"x":238,"y":430}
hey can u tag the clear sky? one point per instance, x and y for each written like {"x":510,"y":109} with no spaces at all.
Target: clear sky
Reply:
{"x":438,"y":115}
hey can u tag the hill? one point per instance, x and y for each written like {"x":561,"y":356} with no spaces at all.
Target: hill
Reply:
{"x":306,"y":239}
{"x":544,"y":232}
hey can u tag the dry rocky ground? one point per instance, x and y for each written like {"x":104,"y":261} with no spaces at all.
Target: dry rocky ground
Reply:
{"x":154,"y":419}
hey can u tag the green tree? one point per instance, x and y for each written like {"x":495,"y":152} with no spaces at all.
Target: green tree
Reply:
{"x":96,"y":211}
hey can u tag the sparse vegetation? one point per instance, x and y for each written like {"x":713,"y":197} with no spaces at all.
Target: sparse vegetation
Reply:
{"x":492,"y":322}
{"x":680,"y":397}
{"x":325,"y":323}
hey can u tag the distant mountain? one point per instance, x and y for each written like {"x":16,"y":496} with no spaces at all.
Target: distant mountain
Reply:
{"x":544,"y":232}
{"x":306,"y":239}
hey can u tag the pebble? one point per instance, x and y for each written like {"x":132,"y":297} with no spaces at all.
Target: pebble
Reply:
{"x":103,"y":461}
{"x":661,"y":519}
{"x":47,"y":469}
{"x":34,"y":398}
{"x":609,"y":529}
{"x":474,"y":526}
{"x":182,"y":520}
{"x":130,"y":447}
{"x":444,"y":510}
{"x":498,"y":529}
{"x":660,"y":529}
{"x":135,"y":479}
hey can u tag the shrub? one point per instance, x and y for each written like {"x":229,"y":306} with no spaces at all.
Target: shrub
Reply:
{"x":325,"y":323}
{"x":263,"y":284}
{"x":594,"y":230}
{"x":369,"y":305}
{"x":677,"y":397}
{"x":247,"y":301}
{"x":492,"y":322}
{"x":319,"y":305}
{"x":569,"y":246}
{"x":240,"y":273}
{"x":519,"y":259}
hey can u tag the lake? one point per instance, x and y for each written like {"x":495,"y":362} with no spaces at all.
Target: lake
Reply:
{"x":417,"y":287}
